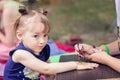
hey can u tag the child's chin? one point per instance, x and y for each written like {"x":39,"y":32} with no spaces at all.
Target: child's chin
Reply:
{"x":37,"y":51}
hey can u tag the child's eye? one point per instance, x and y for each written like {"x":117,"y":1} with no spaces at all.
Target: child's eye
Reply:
{"x":35,"y":36}
{"x":46,"y":35}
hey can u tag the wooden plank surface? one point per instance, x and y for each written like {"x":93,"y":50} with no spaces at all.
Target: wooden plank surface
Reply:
{"x":102,"y":72}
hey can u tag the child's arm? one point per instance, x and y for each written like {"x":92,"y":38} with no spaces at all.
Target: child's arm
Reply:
{"x":86,"y":65}
{"x":48,"y":61}
{"x":33,"y":63}
{"x":28,"y":60}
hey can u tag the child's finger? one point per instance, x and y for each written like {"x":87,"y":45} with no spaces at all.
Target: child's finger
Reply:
{"x":84,"y":65}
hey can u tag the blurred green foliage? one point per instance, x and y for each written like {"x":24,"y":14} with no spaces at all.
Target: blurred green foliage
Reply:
{"x":90,"y":19}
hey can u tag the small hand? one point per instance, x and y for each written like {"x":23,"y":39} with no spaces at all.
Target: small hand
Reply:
{"x":86,"y":65}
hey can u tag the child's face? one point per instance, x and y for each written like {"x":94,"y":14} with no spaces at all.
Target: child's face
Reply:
{"x":34,"y":37}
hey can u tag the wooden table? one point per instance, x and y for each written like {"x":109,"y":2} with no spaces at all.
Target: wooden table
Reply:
{"x":102,"y":72}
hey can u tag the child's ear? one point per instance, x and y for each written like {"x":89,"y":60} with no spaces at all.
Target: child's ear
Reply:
{"x":19,"y":35}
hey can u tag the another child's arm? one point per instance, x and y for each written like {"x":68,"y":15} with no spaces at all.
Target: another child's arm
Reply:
{"x":33,"y":63}
{"x":8,"y":16}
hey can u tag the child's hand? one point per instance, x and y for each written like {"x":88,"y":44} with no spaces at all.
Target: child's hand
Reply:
{"x":86,"y":65}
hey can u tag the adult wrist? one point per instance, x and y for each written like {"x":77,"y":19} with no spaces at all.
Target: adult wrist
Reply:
{"x":107,"y":49}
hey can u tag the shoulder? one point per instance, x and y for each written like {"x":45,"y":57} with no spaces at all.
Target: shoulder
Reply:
{"x":19,"y":55}
{"x":11,"y":7}
{"x":20,"y":52}
{"x":11,"y":3}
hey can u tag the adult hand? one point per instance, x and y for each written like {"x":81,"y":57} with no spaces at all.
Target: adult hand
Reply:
{"x":98,"y":56}
{"x":84,"y":49}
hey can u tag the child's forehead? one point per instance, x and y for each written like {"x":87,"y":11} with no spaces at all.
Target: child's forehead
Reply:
{"x":36,"y":27}
{"x":31,"y":19}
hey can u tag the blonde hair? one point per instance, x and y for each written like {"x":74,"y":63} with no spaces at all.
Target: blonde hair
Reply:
{"x":32,"y":16}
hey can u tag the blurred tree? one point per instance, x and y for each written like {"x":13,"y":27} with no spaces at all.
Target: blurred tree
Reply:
{"x":31,"y":1}
{"x":49,"y":1}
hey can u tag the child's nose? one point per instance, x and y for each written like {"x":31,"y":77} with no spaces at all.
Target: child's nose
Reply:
{"x":41,"y":40}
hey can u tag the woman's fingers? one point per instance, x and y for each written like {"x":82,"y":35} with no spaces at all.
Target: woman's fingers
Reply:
{"x":78,"y":47}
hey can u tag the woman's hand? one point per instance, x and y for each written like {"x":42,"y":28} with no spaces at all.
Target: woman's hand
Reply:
{"x":91,"y":53}
{"x":84,"y":49}
{"x":98,"y":56}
